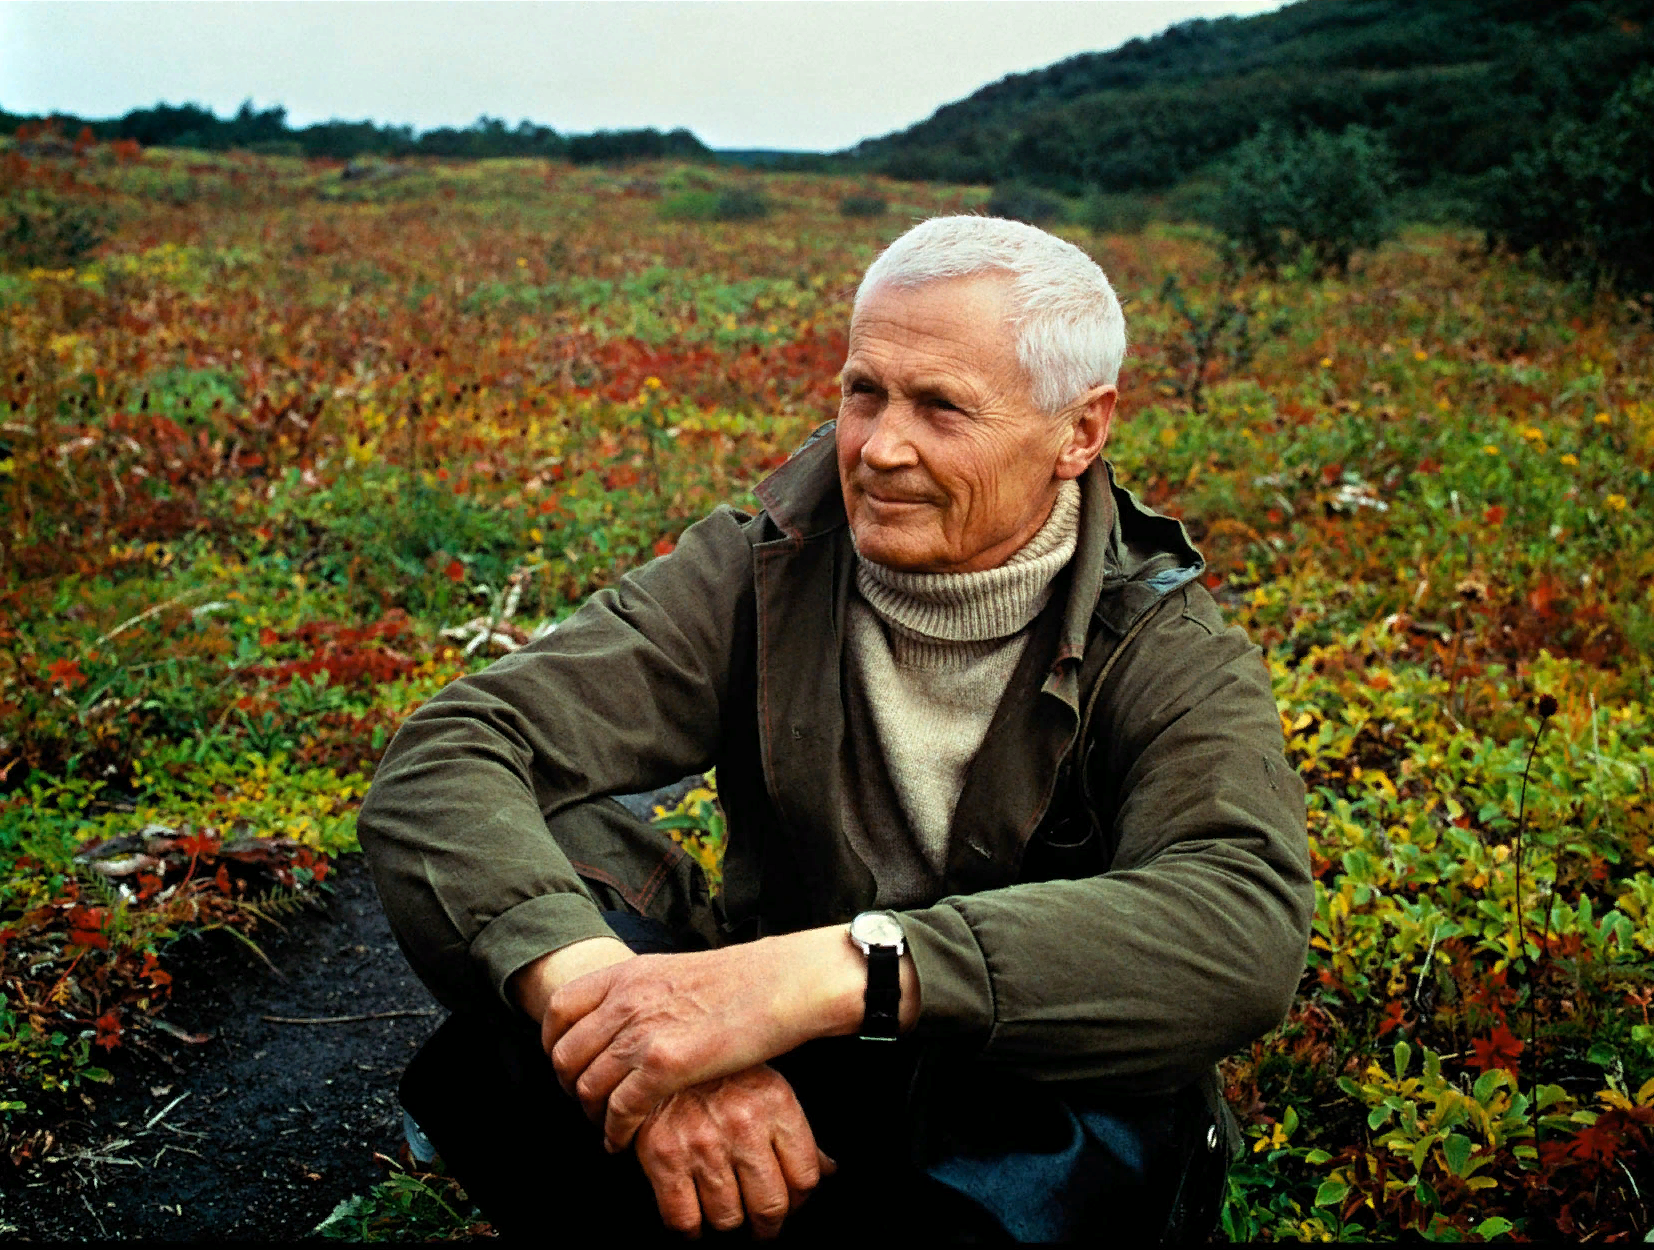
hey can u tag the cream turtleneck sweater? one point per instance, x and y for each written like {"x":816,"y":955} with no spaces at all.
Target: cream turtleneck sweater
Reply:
{"x":929,"y":656}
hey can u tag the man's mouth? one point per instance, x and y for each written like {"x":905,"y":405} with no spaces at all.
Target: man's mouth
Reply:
{"x":888,"y":498}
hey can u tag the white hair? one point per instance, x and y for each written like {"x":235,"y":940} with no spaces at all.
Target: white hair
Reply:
{"x":1070,"y":332}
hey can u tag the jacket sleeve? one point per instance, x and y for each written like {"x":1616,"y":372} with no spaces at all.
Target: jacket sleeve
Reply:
{"x":1191,"y":944}
{"x":624,"y":696}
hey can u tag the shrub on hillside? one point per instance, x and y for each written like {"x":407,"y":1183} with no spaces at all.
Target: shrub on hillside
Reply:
{"x":729,"y":204}
{"x":1584,"y":201}
{"x":1107,"y":213}
{"x":1024,"y":203}
{"x":863,"y":205}
{"x":1321,"y":194}
{"x":40,"y":229}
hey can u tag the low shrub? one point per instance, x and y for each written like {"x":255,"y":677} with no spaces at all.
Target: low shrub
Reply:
{"x":1112,"y":213}
{"x":1020,"y":202}
{"x":1584,"y":201}
{"x":40,"y":230}
{"x":1320,"y":195}
{"x":863,"y":205}
{"x":728,"y":204}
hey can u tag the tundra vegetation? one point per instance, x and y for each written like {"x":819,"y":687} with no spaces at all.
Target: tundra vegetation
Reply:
{"x":284,"y":451}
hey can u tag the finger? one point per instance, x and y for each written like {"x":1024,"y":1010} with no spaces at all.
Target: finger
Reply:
{"x":580,"y":1043}
{"x":630,"y":1103}
{"x":594,"y":1086}
{"x":825,"y":1167}
{"x":764,"y":1191}
{"x":794,"y":1147}
{"x":573,"y":1001}
{"x":720,"y":1196}
{"x":675,"y":1197}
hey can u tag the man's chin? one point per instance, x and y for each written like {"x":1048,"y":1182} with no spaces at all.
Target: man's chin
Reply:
{"x":896,"y":549}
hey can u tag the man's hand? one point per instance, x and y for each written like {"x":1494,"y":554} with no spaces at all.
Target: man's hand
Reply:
{"x":626,"y":1037}
{"x":732,"y":1149}
{"x":630,"y":1035}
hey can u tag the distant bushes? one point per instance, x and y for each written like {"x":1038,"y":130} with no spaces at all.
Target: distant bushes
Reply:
{"x":1584,"y":201}
{"x":266,"y":131}
{"x":1320,"y":195}
{"x":605,"y":146}
{"x":863,"y":204}
{"x":1021,"y":202}
{"x":40,"y":229}
{"x":727,"y":204}
{"x":1115,"y":214}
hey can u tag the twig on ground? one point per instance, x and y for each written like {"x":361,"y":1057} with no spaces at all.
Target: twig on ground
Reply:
{"x":144,"y":616}
{"x":95,"y":1219}
{"x":371,"y":1015}
{"x":162,"y":1113}
{"x":182,"y":1034}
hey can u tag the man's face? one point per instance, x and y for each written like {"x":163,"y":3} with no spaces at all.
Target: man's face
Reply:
{"x":945,"y":463}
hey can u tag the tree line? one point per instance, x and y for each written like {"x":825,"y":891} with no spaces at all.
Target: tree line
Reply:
{"x":267,"y":131}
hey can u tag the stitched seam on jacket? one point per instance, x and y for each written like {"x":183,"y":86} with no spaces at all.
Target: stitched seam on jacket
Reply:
{"x":652,"y":886}
{"x":608,"y":879}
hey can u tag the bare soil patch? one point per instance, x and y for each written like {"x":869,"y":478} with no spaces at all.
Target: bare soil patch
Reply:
{"x":257,"y":1133}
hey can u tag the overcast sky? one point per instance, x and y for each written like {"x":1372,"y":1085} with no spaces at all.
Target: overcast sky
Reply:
{"x":804,"y":74}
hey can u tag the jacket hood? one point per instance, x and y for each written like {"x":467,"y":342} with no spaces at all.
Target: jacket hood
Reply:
{"x":1129,"y":556}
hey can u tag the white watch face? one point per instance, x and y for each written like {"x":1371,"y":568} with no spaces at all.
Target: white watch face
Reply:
{"x":876,"y":928}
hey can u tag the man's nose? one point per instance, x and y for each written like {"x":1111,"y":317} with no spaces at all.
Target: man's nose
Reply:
{"x":890,"y":444}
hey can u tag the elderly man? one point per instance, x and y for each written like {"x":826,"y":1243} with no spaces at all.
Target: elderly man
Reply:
{"x":1013,"y":855}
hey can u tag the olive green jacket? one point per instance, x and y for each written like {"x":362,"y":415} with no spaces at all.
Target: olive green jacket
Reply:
{"x":1125,"y":903}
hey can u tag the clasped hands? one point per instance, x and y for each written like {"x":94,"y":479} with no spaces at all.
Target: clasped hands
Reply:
{"x":671,"y":1051}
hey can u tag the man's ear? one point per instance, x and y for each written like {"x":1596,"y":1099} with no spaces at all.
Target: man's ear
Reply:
{"x":1089,"y":433}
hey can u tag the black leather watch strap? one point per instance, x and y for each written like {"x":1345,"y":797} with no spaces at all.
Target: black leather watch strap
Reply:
{"x":879,"y":1022}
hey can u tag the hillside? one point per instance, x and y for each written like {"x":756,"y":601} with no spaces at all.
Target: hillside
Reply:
{"x":1455,"y":89}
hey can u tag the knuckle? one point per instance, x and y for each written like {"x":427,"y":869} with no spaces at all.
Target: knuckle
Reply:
{"x":723,"y":1221}
{"x":657,"y":1055}
{"x":771,"y":1210}
{"x":740,"y":1118}
{"x":680,"y":1221}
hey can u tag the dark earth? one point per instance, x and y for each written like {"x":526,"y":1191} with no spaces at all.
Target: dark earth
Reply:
{"x":270,"y":1125}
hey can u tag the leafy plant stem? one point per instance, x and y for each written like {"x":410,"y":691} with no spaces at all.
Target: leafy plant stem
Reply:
{"x":1521,"y":931}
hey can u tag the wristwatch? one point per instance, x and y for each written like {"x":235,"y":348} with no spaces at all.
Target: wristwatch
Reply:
{"x":879,"y":935}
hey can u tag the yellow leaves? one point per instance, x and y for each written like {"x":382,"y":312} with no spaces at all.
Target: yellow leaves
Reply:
{"x":1602,"y":418}
{"x":1488,"y":449}
{"x":1421,"y":355}
{"x":1568,"y":458}
{"x":1616,"y":502}
{"x":1168,"y":436}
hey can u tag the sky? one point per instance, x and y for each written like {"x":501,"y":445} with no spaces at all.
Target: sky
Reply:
{"x":813,"y":75}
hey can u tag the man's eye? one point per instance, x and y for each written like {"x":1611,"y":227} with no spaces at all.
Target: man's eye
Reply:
{"x":946,"y":405}
{"x":861,"y":388}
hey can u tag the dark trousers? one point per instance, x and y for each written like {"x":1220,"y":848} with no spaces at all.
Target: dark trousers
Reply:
{"x":928,"y":1143}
